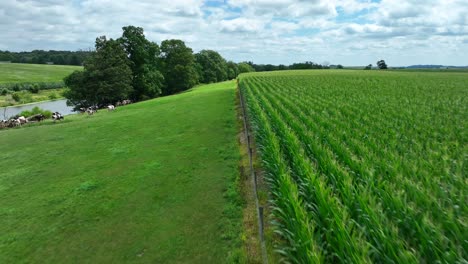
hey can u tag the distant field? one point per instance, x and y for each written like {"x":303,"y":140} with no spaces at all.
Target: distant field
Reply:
{"x":18,"y":72}
{"x":28,"y":97}
{"x":364,"y":166}
{"x":152,"y":182}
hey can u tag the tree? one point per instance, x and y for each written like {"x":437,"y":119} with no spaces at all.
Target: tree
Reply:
{"x":339,"y":66}
{"x":75,"y":60}
{"x":232,"y":70}
{"x":106,"y":77}
{"x":178,"y":64}
{"x":245,"y":67}
{"x":213,"y":66}
{"x":368,"y":67}
{"x":382,"y":65}
{"x":147,"y":80}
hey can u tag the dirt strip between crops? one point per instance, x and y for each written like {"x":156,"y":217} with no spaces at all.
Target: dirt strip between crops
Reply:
{"x":253,"y":177}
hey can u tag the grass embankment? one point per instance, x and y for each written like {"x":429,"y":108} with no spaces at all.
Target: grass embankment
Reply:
{"x":153,"y":182}
{"x":20,"y":73}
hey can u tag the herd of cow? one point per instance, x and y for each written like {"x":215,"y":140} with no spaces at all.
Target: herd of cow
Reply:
{"x":20,"y":120}
{"x":56,"y":116}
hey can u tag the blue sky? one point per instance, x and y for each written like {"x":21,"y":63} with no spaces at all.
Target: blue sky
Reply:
{"x":348,"y":32}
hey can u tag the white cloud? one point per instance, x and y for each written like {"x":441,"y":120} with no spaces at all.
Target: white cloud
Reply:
{"x":241,"y":25}
{"x":285,"y":8}
{"x":352,"y":32}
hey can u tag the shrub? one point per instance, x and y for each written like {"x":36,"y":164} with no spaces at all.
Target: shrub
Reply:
{"x":34,"y":88}
{"x":53,"y":96}
{"x":28,"y":86}
{"x":4,"y":91}
{"x":26,"y":97}
{"x":35,"y":111}
{"x":16,"y":87}
{"x":26,"y":113}
{"x":47,"y":113}
{"x":16,"y":97}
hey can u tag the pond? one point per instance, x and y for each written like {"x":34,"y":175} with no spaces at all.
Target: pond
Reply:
{"x":54,"y":106}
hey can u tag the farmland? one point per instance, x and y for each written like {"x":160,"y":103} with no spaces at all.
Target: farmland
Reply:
{"x":151,"y":182}
{"x":33,"y":73}
{"x":363,"y":166}
{"x":20,"y":79}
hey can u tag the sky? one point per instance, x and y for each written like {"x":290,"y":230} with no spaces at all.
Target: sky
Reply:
{"x":347,"y":32}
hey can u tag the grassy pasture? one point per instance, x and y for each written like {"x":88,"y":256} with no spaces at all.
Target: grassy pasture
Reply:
{"x":364,"y":166}
{"x":19,"y":72}
{"x":153,"y":182}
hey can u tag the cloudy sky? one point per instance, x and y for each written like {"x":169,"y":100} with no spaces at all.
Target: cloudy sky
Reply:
{"x":348,"y":32}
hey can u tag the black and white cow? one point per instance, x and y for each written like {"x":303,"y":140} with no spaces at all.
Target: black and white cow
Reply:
{"x":57,"y":116}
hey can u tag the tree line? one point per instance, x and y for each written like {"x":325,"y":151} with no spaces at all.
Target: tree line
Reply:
{"x":46,"y":57}
{"x":132,"y":67}
{"x":307,"y":65}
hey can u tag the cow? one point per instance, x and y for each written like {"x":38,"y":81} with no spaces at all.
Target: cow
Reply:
{"x":91,"y":110}
{"x":57,"y":116}
{"x":3,"y":123}
{"x":14,"y":123}
{"x":22,"y":120}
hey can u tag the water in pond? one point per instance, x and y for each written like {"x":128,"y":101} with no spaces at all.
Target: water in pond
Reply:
{"x":54,"y":106}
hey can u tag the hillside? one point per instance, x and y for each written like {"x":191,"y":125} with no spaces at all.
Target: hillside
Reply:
{"x":152,"y":182}
{"x":15,"y":72}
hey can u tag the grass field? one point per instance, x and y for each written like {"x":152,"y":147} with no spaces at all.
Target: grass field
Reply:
{"x":364,"y":166}
{"x":19,"y":72}
{"x":153,"y":182}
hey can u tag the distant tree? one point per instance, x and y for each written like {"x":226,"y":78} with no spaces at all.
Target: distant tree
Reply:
{"x":232,"y":70}
{"x":42,"y":56}
{"x":382,"y":65}
{"x":178,"y":66}
{"x":106,"y":77}
{"x":305,"y":66}
{"x":213,"y":65}
{"x":245,"y":67}
{"x":58,"y":59}
{"x":147,"y":80}
{"x":368,"y":67}
{"x":6,"y":56}
{"x":74,"y":60}
{"x":339,"y":66}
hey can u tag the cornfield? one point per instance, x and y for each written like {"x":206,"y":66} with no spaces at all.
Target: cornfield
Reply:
{"x":363,"y":167}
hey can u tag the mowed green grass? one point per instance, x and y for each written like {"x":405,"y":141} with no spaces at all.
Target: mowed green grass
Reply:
{"x":19,"y":72}
{"x":152,"y":182}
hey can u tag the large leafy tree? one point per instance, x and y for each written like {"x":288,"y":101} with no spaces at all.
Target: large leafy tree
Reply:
{"x":212,"y":66}
{"x":106,"y":77}
{"x":232,"y":70}
{"x":382,"y":65}
{"x":178,"y":64}
{"x":147,"y":80}
{"x":245,"y":67}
